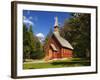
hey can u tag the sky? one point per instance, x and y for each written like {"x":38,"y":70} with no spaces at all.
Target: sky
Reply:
{"x":42,"y":21}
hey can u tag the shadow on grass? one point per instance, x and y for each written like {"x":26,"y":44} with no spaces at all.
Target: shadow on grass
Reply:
{"x":75,"y":63}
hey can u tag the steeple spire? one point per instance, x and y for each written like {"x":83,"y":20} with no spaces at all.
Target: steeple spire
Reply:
{"x":56,"y":24}
{"x":56,"y":21}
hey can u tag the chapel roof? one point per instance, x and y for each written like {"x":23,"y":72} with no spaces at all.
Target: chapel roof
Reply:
{"x":62,"y":41}
{"x":53,"y":47}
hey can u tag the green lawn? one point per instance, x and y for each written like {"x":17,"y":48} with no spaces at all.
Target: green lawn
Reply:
{"x":56,"y":63}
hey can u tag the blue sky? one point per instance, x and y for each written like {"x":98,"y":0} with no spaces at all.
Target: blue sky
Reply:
{"x":42,"y":21}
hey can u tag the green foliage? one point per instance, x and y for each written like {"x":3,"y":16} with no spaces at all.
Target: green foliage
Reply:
{"x":77,"y":31}
{"x":37,"y":53}
{"x":32,"y":48}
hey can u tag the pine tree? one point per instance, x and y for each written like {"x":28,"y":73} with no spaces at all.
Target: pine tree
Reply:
{"x":77,"y":31}
{"x":26,"y":48}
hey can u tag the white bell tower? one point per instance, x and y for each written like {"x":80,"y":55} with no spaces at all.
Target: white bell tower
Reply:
{"x":56,"y":24}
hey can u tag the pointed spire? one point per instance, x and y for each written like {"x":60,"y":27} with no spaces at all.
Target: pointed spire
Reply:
{"x":56,"y":25}
{"x":56,"y":21}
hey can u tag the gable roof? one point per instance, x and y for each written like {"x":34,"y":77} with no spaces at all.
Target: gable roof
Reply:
{"x":62,"y":41}
{"x":53,"y":47}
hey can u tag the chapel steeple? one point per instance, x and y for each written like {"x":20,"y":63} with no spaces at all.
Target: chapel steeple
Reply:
{"x":56,"y":24}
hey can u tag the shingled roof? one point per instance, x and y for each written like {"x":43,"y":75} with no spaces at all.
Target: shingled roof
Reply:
{"x":62,"y":41}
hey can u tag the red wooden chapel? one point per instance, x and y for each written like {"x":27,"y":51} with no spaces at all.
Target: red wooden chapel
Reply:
{"x":57,"y":47}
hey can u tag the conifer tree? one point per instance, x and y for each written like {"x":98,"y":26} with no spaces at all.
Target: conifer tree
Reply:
{"x":77,"y":31}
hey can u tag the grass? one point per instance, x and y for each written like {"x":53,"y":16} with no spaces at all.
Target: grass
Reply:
{"x":40,"y":65}
{"x":73,"y":62}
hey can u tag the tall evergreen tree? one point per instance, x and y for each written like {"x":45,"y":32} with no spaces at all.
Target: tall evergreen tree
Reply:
{"x":26,"y":48}
{"x":32,"y":48}
{"x":77,"y":31}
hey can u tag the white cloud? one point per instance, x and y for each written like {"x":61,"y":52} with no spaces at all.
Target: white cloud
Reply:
{"x":27,"y":21}
{"x":41,"y":37}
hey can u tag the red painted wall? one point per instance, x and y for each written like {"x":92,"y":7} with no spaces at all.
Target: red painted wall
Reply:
{"x":62,"y":52}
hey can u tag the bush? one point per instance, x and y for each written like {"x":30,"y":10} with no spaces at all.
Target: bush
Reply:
{"x":37,"y":55}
